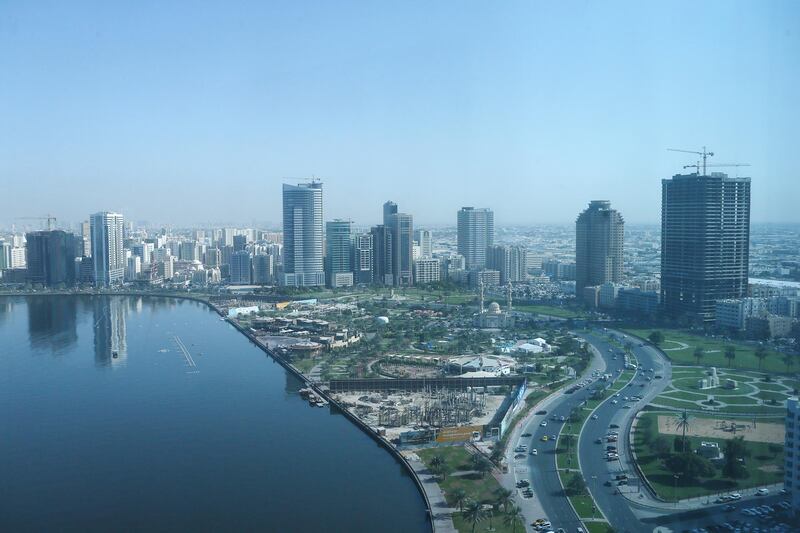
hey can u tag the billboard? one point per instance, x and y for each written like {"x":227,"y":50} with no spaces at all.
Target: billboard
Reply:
{"x":459,"y":434}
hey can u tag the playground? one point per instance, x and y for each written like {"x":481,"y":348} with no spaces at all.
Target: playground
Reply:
{"x":718,"y":428}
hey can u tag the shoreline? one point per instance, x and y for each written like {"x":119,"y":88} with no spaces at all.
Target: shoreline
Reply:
{"x":394,"y":452}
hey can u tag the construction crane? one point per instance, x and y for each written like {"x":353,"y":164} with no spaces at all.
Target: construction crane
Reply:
{"x":49,"y":218}
{"x":705,"y":153}
{"x":696,"y":166}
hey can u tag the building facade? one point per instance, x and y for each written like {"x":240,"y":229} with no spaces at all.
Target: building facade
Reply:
{"x":241,"y":268}
{"x":401,"y":228}
{"x":108,"y":255}
{"x":363,"y":257}
{"x":338,"y":257}
{"x":705,"y":243}
{"x":51,"y":257}
{"x":475,"y":235}
{"x":791,"y":455}
{"x":599,"y":236}
{"x":427,"y":271}
{"x":302,"y":235}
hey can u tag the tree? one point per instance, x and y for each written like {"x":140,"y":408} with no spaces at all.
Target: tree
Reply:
{"x":661,"y":446}
{"x":761,"y":354}
{"x":575,"y":486}
{"x":473,"y":513}
{"x":504,"y":498}
{"x":730,"y":354}
{"x":699,"y":352}
{"x":459,"y":498}
{"x":689,"y":465}
{"x":438,"y":465}
{"x":682,"y":422}
{"x":735,"y":452}
{"x":656,"y":337}
{"x":514,"y":517}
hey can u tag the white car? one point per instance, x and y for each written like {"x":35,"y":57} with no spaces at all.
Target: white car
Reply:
{"x":614,"y":401}
{"x":762,"y":491}
{"x":594,"y":417}
{"x":544,"y":423}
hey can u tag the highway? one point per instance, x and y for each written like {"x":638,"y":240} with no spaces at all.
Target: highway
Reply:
{"x":596,"y":469}
{"x":542,"y":467}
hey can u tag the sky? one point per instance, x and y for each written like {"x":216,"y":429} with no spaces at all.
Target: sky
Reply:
{"x":197,"y":112}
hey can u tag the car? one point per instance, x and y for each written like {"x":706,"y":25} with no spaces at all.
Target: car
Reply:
{"x":534,"y":452}
{"x":626,"y":406}
{"x":641,"y":385}
{"x":611,"y":448}
{"x":544,"y":438}
{"x":544,"y":423}
{"x":621,"y":476}
{"x":561,"y":418}
{"x":762,"y":491}
{"x":519,"y":456}
{"x":608,"y":483}
{"x":784,"y":492}
{"x":622,"y":482}
{"x":729,"y":508}
{"x":525,"y":435}
{"x":614,"y":401}
{"x":541,"y":412}
{"x":552,"y":437}
{"x":598,"y":441}
{"x":735,"y":496}
{"x":523,"y":483}
{"x":594,"y":417}
{"x":613,"y":426}
{"x":626,"y":398}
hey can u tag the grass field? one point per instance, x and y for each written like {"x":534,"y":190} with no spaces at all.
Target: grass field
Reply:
{"x":599,"y":527}
{"x":764,"y":466}
{"x":561,"y":312}
{"x":715,"y":351}
{"x":477,"y":488}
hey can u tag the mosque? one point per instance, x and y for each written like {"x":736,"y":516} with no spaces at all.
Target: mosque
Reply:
{"x":494,"y":317}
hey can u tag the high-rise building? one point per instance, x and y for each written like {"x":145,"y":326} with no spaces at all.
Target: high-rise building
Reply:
{"x":363,"y":256}
{"x":338,"y":260}
{"x":239,"y":242}
{"x":475,"y":235}
{"x":511,"y":261}
{"x":51,"y":257}
{"x":263,"y":269}
{"x":144,"y":250}
{"x":381,"y":255}
{"x":86,"y":234}
{"x":18,"y":257}
{"x":401,"y":228}
{"x":241,"y":268}
{"x":425,"y":240}
{"x":427,"y":271}
{"x":108,"y":256}
{"x":302,"y":235}
{"x":599,"y":236}
{"x":5,"y":255}
{"x":134,"y":268}
{"x":705,"y":242}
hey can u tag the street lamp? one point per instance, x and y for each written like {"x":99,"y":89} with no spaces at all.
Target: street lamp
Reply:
{"x":675,"y":491}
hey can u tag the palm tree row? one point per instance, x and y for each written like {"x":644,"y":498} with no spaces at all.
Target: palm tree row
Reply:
{"x":474,"y":511}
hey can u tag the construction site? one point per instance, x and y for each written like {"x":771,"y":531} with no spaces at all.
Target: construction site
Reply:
{"x":395,"y":413}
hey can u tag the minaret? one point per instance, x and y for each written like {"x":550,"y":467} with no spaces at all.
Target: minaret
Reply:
{"x":481,"y":299}
{"x":508,"y":296}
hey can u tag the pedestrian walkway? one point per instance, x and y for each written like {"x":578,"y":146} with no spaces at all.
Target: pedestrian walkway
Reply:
{"x":645,"y":500}
{"x":441,"y":512}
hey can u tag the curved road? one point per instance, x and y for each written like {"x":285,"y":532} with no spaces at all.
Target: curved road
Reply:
{"x":596,"y":469}
{"x":541,"y":469}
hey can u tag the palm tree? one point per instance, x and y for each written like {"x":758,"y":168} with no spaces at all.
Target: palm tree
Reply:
{"x":513,"y":518}
{"x":504,"y":498}
{"x":438,"y":465}
{"x":699,"y":352}
{"x":682,"y":423}
{"x":730,"y":355}
{"x":459,"y":498}
{"x":761,"y":354}
{"x":474,"y":513}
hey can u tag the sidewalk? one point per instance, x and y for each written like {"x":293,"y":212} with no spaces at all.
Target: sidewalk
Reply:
{"x":647,"y":502}
{"x":442,"y":514}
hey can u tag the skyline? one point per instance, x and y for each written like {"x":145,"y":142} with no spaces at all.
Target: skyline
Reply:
{"x":181,"y":121}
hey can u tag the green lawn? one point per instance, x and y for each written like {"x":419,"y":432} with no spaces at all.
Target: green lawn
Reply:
{"x":477,"y":488}
{"x":745,"y":353}
{"x":760,"y":466}
{"x":561,"y":312}
{"x":599,"y":527}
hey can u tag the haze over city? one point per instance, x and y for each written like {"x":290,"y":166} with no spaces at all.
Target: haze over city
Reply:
{"x":183,"y":114}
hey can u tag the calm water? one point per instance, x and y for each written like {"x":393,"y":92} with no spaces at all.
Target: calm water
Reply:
{"x":106,"y":426}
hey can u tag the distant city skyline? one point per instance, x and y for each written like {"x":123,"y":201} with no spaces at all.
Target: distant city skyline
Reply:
{"x":529,"y":108}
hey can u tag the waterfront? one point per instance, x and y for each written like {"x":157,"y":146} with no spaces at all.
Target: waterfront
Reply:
{"x":107,"y":424}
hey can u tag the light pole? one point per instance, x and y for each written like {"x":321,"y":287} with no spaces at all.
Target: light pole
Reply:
{"x":675,"y":490}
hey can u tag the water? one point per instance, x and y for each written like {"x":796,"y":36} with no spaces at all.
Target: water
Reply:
{"x":105,"y":425}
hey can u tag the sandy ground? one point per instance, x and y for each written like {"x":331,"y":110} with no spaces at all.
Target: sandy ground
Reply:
{"x":707,"y":427}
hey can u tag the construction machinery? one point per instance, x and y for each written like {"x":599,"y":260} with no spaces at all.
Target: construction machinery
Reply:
{"x":705,"y":154}
{"x":51,"y":220}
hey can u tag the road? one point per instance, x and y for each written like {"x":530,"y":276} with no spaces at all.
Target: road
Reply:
{"x":540,"y":469}
{"x":596,"y":469}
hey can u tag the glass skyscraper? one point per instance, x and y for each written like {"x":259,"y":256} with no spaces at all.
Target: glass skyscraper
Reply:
{"x":302,"y":235}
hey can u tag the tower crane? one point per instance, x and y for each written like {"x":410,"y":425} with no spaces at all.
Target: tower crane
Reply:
{"x":696,"y":166}
{"x":49,"y":218}
{"x":705,"y":153}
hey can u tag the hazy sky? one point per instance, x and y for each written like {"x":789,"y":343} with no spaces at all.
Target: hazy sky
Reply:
{"x":189,"y":112}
